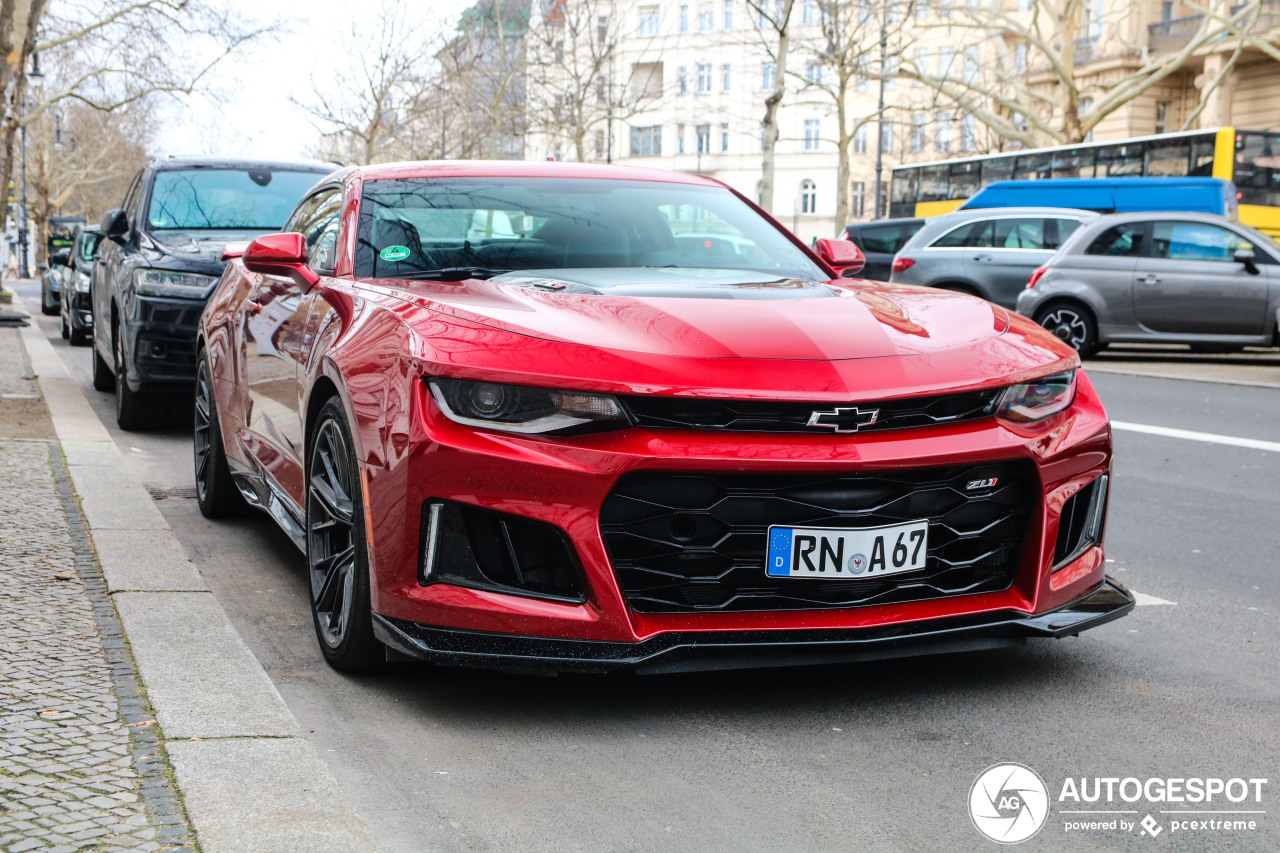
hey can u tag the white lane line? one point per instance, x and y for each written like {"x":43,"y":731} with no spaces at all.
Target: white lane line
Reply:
{"x":1192,"y":435}
{"x":1142,"y":598}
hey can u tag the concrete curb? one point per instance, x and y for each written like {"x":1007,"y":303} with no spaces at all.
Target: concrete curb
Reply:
{"x":249,"y":780}
{"x":1146,"y":374}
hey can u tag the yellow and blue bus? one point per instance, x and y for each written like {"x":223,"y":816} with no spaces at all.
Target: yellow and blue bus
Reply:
{"x":1249,"y":158}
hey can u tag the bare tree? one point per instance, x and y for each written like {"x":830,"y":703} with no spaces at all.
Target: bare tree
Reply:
{"x":576,"y":77}
{"x":1023,"y":72}
{"x":773,"y":23}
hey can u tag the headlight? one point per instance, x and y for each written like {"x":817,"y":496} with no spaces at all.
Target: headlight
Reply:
{"x":82,"y":282}
{"x":1039,"y":399}
{"x":522,"y":409}
{"x":165,"y":283}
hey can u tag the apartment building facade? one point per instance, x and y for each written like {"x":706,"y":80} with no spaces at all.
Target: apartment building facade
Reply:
{"x":687,"y":82}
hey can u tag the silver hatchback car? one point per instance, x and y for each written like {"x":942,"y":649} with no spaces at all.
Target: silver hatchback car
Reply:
{"x":1189,"y":278}
{"x":989,"y":253}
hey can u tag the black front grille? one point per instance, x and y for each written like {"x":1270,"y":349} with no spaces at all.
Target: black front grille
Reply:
{"x":769,"y":416}
{"x":696,"y":542}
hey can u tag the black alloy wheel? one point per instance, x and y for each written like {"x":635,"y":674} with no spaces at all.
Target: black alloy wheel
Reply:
{"x":216,"y":491}
{"x":1072,"y":325}
{"x":129,"y":408}
{"x":337,"y":554}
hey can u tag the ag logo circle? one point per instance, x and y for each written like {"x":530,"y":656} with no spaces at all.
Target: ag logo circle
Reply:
{"x":1009,"y":803}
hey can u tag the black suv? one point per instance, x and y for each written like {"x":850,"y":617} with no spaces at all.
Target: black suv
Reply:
{"x":75,"y":269}
{"x":880,"y":240}
{"x":160,"y":255}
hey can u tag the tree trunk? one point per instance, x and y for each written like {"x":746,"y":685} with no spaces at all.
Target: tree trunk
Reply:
{"x":844,"y":139}
{"x":771,"y":105}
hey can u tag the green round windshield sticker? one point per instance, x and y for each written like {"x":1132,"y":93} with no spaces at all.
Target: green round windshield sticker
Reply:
{"x":394,"y":253}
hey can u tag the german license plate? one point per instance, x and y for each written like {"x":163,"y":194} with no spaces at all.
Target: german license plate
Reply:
{"x":845,"y":554}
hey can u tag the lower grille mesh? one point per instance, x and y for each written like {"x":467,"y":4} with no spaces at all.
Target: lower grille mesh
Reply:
{"x":696,"y":542}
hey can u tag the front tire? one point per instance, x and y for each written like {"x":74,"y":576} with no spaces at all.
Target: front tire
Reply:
{"x":337,"y":553}
{"x":130,"y":416}
{"x":104,"y":379}
{"x":66,"y":328}
{"x":216,"y":491}
{"x":1073,"y":325}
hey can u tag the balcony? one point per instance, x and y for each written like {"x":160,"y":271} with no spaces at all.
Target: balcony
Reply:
{"x":1165,"y":36}
{"x":1268,"y":15}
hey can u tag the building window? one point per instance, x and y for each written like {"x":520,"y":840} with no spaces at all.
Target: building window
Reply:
{"x":599,"y":144}
{"x":1166,"y":11}
{"x":1020,"y":57}
{"x":858,"y":200}
{"x":922,"y":13}
{"x":646,"y":141}
{"x":886,"y":136}
{"x":806,"y":11}
{"x":1086,"y":107}
{"x":558,"y":50}
{"x":922,"y":65}
{"x":682,"y":80}
{"x":679,"y":138}
{"x":602,"y":28}
{"x":648,"y":20}
{"x":1162,"y":116}
{"x":860,"y":140}
{"x":968,"y":133}
{"x":1025,"y":5}
{"x":706,"y":21}
{"x":813,"y":72}
{"x":946,"y":62}
{"x":684,"y":19}
{"x":724,"y":77}
{"x":724,"y":138}
{"x":768,"y":75}
{"x":808,"y":197}
{"x":970,"y":63}
{"x":704,"y":139}
{"x":728,"y":14}
{"x":812,"y":129}
{"x":919,"y":134}
{"x":860,"y":84}
{"x":704,"y":76}
{"x":942,"y":135}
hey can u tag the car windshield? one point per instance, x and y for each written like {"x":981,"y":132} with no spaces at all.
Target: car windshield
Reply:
{"x":412,"y":227}
{"x":225,"y":199}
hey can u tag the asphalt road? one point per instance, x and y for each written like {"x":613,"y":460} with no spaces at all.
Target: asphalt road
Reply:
{"x":867,"y":757}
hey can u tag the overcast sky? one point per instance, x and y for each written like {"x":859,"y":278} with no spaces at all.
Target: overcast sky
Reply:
{"x":249,"y":112}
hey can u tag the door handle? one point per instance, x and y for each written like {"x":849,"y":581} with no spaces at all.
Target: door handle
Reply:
{"x":1148,"y":279}
{"x":982,"y":258}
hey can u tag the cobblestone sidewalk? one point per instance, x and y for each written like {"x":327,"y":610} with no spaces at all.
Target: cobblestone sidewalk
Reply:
{"x":80,"y":762}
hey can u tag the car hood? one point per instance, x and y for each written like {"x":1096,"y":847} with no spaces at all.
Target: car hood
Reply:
{"x":716,"y":313}
{"x":193,"y":251}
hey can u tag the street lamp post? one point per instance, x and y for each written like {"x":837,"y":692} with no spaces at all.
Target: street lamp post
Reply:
{"x":884,"y":43}
{"x":24,"y":232}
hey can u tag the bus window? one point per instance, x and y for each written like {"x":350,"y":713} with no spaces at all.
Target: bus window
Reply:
{"x":1116,"y":161}
{"x":933,"y":183}
{"x":1257,"y":172}
{"x":964,"y":179}
{"x":1032,"y":167}
{"x":997,"y":169}
{"x":1202,"y":157}
{"x":1167,"y":159}
{"x":1074,"y":163}
{"x":904,"y":187}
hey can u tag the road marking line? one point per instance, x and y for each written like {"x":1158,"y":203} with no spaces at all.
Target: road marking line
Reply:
{"x":1192,"y":435}
{"x":1142,"y":598}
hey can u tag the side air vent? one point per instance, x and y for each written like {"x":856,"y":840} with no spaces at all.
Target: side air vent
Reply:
{"x":1080,"y":527}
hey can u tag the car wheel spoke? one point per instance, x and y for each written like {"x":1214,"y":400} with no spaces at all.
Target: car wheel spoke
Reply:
{"x":330,"y":533}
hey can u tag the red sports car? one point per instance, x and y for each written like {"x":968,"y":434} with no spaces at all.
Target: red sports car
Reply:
{"x":574,"y":417}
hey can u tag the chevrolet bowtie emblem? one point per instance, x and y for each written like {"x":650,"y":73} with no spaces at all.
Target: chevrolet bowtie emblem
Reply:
{"x":844,"y":419}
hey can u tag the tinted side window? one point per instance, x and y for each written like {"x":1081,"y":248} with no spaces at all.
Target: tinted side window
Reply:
{"x":131,"y":197}
{"x":1195,"y":241}
{"x":884,"y":239}
{"x":1019,"y":234}
{"x":970,"y":235}
{"x":317,"y":220}
{"x":1123,"y":240}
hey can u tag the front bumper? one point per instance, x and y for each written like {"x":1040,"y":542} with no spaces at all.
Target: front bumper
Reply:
{"x":162,"y":348}
{"x":694,"y":651}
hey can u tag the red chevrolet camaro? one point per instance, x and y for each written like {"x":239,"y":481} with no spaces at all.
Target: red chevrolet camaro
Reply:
{"x":572,"y":417}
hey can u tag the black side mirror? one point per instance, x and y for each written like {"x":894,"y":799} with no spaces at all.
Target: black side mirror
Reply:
{"x":115,"y":226}
{"x":60,"y":258}
{"x":1249,"y":259}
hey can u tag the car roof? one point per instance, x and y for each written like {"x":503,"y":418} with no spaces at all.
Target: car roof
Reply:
{"x":1158,"y":215}
{"x":176,"y":163}
{"x":877,"y":223}
{"x":524,"y":169}
{"x":993,"y":212}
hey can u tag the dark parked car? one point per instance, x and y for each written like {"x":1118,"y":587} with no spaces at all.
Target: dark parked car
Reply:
{"x":1189,"y":278}
{"x":880,"y":241}
{"x":160,"y":256}
{"x":76,"y":270}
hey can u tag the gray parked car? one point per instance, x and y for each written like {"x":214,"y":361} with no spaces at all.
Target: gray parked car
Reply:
{"x":1190,"y":278}
{"x":989,"y":253}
